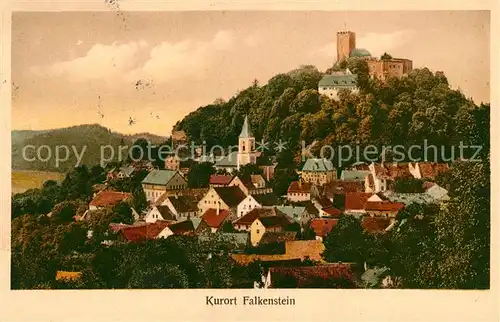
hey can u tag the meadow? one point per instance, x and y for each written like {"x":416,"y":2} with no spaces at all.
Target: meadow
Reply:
{"x":23,"y":180}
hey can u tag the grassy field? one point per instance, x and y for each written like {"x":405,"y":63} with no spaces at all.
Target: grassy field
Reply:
{"x":23,"y":180}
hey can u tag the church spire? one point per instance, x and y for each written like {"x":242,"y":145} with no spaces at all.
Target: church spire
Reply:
{"x":246,"y":132}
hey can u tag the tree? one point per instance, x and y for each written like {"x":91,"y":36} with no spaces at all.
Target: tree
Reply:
{"x":409,"y":185}
{"x":122,"y":213}
{"x":199,"y":175}
{"x":64,"y":211}
{"x":159,"y":276}
{"x":227,"y":227}
{"x":139,"y":201}
{"x":346,"y":242}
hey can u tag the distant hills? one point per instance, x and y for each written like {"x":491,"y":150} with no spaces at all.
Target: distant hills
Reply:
{"x":93,"y":136}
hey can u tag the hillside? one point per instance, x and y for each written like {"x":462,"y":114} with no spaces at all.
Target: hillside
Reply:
{"x":419,"y":107}
{"x":92,"y":136}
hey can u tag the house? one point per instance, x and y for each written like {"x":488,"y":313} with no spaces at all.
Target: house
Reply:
{"x":218,"y":180}
{"x":322,"y":226}
{"x":386,"y":209}
{"x":330,"y":85}
{"x":214,"y":218}
{"x":270,"y":224}
{"x":318,"y":171}
{"x":256,"y":201}
{"x":244,"y":223}
{"x":298,"y":213}
{"x":254,"y":184}
{"x":181,"y":206}
{"x":105,"y":199}
{"x":299,"y":191}
{"x":223,"y":197}
{"x":185,"y":227}
{"x":144,"y":232}
{"x":159,"y":213}
{"x":157,"y":182}
{"x":333,"y":275}
{"x":172,"y":162}
{"x":354,"y":175}
{"x":438,"y":193}
{"x":268,"y":171}
{"x":355,"y":202}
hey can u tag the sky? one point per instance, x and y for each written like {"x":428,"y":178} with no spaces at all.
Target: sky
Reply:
{"x":72,"y":68}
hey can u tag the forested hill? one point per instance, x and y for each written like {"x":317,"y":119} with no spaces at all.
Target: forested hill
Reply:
{"x":289,"y":107}
{"x":93,"y":136}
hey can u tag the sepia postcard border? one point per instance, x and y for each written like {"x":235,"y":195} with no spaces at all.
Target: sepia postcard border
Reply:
{"x":189,"y":305}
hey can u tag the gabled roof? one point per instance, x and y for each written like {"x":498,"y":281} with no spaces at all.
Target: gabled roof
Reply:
{"x":184,"y":203}
{"x":348,"y":80}
{"x":318,"y":165}
{"x":292,"y":211}
{"x":257,"y":178}
{"x":218,"y":179}
{"x":68,"y":276}
{"x":182,"y":227}
{"x":109,"y":198}
{"x":375,"y":224}
{"x":322,"y":226}
{"x":383,"y":206}
{"x":144,"y":232}
{"x":299,"y":187}
{"x":246,"y":132}
{"x":127,"y":170}
{"x":274,"y":221}
{"x":231,"y":196}
{"x":277,"y":237}
{"x":332,"y":211}
{"x":159,"y":177}
{"x":256,"y":213}
{"x":213,"y":219}
{"x":268,"y":199}
{"x":341,"y":187}
{"x":410,"y":198}
{"x":356,"y":200}
{"x":165,"y":213}
{"x":359,"y":52}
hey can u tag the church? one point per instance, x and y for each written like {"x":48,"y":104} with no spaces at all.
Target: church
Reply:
{"x":246,"y":153}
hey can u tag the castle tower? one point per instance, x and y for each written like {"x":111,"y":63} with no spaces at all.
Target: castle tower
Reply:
{"x":246,"y":146}
{"x":346,"y":42}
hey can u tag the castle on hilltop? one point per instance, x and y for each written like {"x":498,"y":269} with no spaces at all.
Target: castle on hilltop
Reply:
{"x":382,"y":68}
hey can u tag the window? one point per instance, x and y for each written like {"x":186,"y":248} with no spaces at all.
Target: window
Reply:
{"x":258,"y":231}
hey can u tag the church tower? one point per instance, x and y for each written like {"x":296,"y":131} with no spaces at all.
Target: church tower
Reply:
{"x":346,"y":42}
{"x":246,"y":146}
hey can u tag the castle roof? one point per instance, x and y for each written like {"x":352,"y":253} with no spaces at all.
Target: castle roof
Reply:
{"x":246,"y":132}
{"x":359,"y":52}
{"x":347,"y":80}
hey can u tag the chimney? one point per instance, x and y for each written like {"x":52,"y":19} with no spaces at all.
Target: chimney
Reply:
{"x":218,"y":208}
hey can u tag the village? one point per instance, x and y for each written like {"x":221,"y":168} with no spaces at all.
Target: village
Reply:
{"x":245,"y":211}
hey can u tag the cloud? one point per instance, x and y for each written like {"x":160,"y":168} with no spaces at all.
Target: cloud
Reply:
{"x":135,"y":60}
{"x":378,"y":43}
{"x":101,"y":61}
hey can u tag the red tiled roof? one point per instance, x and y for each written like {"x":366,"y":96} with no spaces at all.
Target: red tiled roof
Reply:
{"x":299,"y":187}
{"x":332,"y":211}
{"x":356,"y":200}
{"x":383,"y":206}
{"x":431,"y":169}
{"x":109,"y":198}
{"x":342,"y":187}
{"x":144,"y":232}
{"x":304,"y":275}
{"x":324,"y":202}
{"x":213,"y":219}
{"x":322,"y":226}
{"x":375,"y":224}
{"x":218,"y":179}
